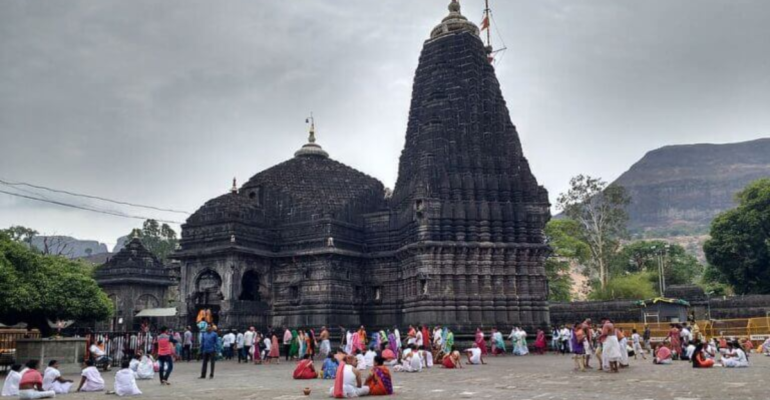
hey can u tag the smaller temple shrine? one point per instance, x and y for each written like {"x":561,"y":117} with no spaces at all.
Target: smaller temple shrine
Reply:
{"x":135,"y":280}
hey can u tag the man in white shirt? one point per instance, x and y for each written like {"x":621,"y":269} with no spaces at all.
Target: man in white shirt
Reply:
{"x":563,"y":339}
{"x":397,"y":334}
{"x":418,"y":339}
{"x":239,"y":342}
{"x":248,"y":341}
{"x":268,"y":344}
{"x":99,"y":355}
{"x":187,"y":344}
{"x":228,"y":342}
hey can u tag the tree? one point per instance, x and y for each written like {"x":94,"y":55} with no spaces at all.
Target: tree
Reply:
{"x":160,"y":240}
{"x":739,"y":247}
{"x":679,"y":267}
{"x":565,"y":239}
{"x":636,"y":286}
{"x":600,"y":210}
{"x":20,"y":234}
{"x":37,"y":288}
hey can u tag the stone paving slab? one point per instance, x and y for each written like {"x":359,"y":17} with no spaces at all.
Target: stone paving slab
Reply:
{"x":549,"y":377}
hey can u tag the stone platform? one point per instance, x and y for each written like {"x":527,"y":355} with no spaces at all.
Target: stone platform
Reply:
{"x":529,"y":377}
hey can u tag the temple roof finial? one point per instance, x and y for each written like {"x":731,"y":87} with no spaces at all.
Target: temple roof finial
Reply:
{"x":234,"y":189}
{"x":455,"y":22}
{"x":454,"y":6}
{"x":311,"y":148}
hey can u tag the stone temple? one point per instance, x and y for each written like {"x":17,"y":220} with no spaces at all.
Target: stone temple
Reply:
{"x":313,"y":242}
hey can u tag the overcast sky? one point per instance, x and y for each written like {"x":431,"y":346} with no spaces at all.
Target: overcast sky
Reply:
{"x":164,"y":102}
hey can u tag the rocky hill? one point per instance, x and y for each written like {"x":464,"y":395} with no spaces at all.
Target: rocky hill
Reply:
{"x":678,"y":190}
{"x":68,"y":246}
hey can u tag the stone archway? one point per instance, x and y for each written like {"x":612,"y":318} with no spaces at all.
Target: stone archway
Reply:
{"x":208,"y":295}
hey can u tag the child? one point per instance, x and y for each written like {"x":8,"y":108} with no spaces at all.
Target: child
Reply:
{"x":125,"y":382}
{"x":636,"y":341}
{"x":91,"y":380}
{"x":11,"y":384}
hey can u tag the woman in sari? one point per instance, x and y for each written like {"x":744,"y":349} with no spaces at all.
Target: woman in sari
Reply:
{"x":480,"y":341}
{"x":675,"y":340}
{"x":302,"y":343}
{"x":310,"y":344}
{"x":452,"y":360}
{"x":498,"y":344}
{"x":274,"y":349}
{"x":329,"y":367}
{"x":294,"y":348}
{"x":540,"y":343}
{"x":305,"y":369}
{"x":375,"y":342}
{"x":380,"y":382}
{"x":356,"y":344}
{"x":449,"y":341}
{"x":392,"y":343}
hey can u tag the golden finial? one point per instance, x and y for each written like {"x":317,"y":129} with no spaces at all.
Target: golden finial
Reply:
{"x":311,"y":121}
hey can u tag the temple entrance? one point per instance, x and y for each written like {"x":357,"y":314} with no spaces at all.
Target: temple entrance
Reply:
{"x":208,"y":295}
{"x":250,"y":287}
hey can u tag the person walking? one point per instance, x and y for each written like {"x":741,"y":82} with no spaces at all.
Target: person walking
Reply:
{"x":209,"y":346}
{"x":165,"y":355}
{"x":187,"y":341}
{"x":287,"y":337}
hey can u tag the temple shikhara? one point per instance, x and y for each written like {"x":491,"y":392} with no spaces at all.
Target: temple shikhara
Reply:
{"x":313,"y":242}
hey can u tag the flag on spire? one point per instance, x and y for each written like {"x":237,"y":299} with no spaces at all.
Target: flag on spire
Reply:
{"x":485,"y":22}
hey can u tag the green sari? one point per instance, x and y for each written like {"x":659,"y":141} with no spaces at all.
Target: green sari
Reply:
{"x":294,"y":349}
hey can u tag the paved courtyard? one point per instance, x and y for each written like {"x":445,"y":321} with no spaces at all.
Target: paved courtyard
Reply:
{"x":530,"y":377}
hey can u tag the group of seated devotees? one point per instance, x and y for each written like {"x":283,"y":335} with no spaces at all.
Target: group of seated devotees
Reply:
{"x":30,"y":384}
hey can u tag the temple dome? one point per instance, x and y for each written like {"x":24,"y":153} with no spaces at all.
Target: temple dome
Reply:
{"x":312,"y":185}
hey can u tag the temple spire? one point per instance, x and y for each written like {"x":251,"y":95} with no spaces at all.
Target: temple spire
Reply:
{"x":311,"y":121}
{"x":234,"y":189}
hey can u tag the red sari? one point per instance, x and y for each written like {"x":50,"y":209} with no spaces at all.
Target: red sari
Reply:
{"x":480,"y":342}
{"x":448,"y":363}
{"x":540,"y":343}
{"x":380,"y":382}
{"x":305,"y":370}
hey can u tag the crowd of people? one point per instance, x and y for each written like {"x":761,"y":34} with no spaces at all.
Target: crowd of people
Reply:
{"x":360,"y":363}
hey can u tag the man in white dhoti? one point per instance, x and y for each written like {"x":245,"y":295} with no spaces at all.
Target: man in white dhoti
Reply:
{"x":610,"y":347}
{"x":125,"y":382}
{"x":352,"y":383}
{"x":53,"y":381}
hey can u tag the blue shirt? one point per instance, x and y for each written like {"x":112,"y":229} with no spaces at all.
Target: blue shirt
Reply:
{"x":209,"y":342}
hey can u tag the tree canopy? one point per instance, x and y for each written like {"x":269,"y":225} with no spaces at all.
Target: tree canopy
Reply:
{"x":739,"y":248}
{"x":160,"y":240}
{"x":600,"y":211}
{"x":564,"y":237}
{"x":636,"y":286}
{"x":20,"y":233}
{"x":36,"y":288}
{"x":644,"y":256}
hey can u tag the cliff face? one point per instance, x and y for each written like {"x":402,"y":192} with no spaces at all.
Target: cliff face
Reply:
{"x":68,"y":246}
{"x":678,"y":190}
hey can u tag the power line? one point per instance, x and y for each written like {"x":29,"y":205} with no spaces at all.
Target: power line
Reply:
{"x":84,"y":208}
{"x":87,"y":196}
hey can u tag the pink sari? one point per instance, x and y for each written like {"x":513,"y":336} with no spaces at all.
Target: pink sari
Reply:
{"x":356,"y":341}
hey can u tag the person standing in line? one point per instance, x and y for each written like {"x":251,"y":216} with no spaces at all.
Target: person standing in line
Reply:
{"x":165,"y":355}
{"x":326,"y":346}
{"x":248,"y":342}
{"x":209,"y":351}
{"x":239,"y":343}
{"x":187,"y":344}
{"x":287,"y":336}
{"x":646,"y":336}
{"x":228,"y":342}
